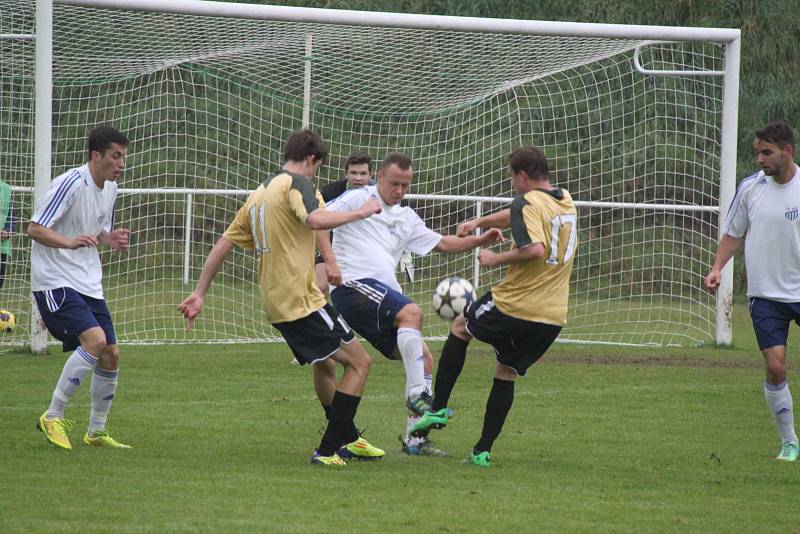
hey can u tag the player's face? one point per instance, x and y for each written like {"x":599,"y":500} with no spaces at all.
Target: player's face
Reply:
{"x":518,"y":180}
{"x":110,"y":163}
{"x":357,"y":175}
{"x":393,"y":183}
{"x":771,"y":158}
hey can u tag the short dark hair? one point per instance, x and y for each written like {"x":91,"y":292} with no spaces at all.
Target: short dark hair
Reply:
{"x":778,"y":133}
{"x":359,"y":157}
{"x":101,"y":138}
{"x":304,"y":143}
{"x":402,"y":161}
{"x":530,"y":159}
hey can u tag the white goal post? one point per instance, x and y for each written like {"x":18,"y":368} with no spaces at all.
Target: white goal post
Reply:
{"x":638,"y":122}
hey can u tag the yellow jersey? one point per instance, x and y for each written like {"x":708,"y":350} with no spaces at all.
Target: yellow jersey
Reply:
{"x":273,"y":223}
{"x":538,"y":290}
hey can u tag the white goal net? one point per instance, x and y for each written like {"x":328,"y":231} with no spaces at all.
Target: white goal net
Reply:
{"x":208,"y":102}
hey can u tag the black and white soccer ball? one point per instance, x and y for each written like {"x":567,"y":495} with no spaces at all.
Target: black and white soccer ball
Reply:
{"x":451,"y":296}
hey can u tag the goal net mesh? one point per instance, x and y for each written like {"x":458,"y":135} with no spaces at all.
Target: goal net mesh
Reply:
{"x":208,"y":102}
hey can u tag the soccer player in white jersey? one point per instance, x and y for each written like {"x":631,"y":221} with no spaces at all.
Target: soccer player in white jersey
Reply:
{"x":71,"y":220}
{"x":370,"y":299}
{"x":766,"y":210}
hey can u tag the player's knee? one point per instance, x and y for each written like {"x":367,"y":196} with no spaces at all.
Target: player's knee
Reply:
{"x":459,"y":328}
{"x":361,"y":362}
{"x":776,"y":371}
{"x":94,"y":343}
{"x":109,"y":356}
{"x":410,"y":316}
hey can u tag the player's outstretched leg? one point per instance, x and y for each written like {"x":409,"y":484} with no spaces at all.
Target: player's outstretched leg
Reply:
{"x":451,"y":363}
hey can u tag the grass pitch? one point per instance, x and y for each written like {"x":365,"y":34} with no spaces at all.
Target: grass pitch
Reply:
{"x":599,"y":439}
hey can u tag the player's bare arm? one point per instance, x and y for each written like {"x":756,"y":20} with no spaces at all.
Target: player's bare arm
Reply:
{"x":725,"y":251}
{"x":193,"y":304}
{"x":51,"y":238}
{"x":501,"y":219}
{"x":332,"y":271}
{"x":321,"y":219}
{"x":117,"y":239}
{"x":451,"y":244}
{"x":487,"y":258}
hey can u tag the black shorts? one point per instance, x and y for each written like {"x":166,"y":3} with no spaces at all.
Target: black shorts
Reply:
{"x":518,"y":343}
{"x":317,"y":335}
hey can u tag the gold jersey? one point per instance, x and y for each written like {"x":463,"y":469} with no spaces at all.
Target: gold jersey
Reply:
{"x":273,"y":223}
{"x":538,"y":290}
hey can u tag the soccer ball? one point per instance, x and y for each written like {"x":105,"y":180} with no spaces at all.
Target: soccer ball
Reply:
{"x":7,"y":322}
{"x":452,"y":295}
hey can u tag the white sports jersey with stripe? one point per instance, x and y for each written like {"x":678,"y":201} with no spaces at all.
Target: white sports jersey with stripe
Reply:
{"x":72,"y":206}
{"x":769,"y":214}
{"x":372,"y":247}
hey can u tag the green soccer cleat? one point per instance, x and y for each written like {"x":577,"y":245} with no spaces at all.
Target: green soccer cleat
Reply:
{"x":361,"y":449}
{"x":333,"y":460}
{"x":430,"y":420}
{"x":479,"y":460}
{"x":788,"y":452}
{"x":56,"y":430}
{"x":102,"y":439}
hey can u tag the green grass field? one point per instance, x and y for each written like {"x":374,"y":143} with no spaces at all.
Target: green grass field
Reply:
{"x":599,"y":439}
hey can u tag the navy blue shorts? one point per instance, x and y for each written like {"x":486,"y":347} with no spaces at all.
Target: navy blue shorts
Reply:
{"x":370,"y":306}
{"x":518,"y":343}
{"x":67,"y":314}
{"x":771,"y":320}
{"x":316,"y":336}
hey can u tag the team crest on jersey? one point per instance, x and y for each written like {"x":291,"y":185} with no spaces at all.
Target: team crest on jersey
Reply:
{"x":392,"y":229}
{"x":791,"y":213}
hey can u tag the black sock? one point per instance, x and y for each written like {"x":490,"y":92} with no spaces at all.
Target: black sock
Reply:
{"x":327,"y":412}
{"x":341,"y":429}
{"x":497,"y":406}
{"x":451,"y":362}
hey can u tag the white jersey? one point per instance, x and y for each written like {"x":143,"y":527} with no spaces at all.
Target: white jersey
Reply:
{"x":72,"y":206}
{"x":372,"y":247}
{"x":769,"y":214}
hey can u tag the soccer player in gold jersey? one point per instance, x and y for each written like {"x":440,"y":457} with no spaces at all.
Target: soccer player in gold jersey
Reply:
{"x":279,"y":221}
{"x":523,"y":314}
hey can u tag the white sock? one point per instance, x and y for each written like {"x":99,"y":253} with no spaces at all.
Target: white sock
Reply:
{"x":410,"y":440}
{"x":409,"y":342}
{"x":104,"y":384}
{"x":429,"y":383}
{"x":779,"y":400}
{"x":74,"y":373}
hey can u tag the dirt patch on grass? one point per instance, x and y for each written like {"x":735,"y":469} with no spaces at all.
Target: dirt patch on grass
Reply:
{"x":654,"y":361}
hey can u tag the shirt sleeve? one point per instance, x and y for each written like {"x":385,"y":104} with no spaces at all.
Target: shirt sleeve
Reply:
{"x":240,"y":230}
{"x":345,"y":201}
{"x":304,"y":198}
{"x":421,"y":239}
{"x":737,"y":221}
{"x":60,"y":196}
{"x":526,"y":223}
